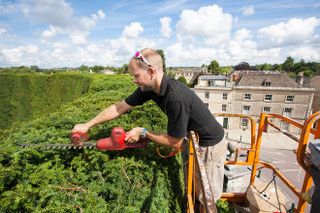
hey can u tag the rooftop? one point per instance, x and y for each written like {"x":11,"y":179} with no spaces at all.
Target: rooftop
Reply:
{"x":269,"y":80}
{"x":213,"y":77}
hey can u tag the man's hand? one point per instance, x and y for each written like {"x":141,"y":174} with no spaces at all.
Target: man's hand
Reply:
{"x":133,"y":135}
{"x":83,"y":128}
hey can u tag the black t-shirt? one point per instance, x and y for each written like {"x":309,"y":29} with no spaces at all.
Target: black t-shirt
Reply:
{"x":184,"y":109}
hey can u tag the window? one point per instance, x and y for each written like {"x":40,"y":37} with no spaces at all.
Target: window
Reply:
{"x":206,"y":104}
{"x":284,"y":126}
{"x":268,"y":97}
{"x":247,"y":96}
{"x":211,"y":83}
{"x":206,"y":94}
{"x":266,"y":83}
{"x":289,"y":98}
{"x":266,"y":109}
{"x":224,"y":108}
{"x":225,"y":96}
{"x":287,"y":112}
{"x":244,"y":122}
{"x":245,"y":109}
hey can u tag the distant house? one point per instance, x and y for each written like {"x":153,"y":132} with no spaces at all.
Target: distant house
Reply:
{"x":315,"y":83}
{"x":190,"y":73}
{"x":253,"y":93}
{"x":212,"y":80}
{"x":107,"y":72}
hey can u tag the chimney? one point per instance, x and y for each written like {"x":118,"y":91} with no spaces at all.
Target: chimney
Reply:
{"x":300,"y":78}
{"x":234,"y":77}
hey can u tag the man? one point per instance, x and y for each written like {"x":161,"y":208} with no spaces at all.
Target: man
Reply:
{"x":184,"y":109}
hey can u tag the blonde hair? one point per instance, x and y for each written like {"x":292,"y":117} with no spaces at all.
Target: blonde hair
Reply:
{"x":153,"y":57}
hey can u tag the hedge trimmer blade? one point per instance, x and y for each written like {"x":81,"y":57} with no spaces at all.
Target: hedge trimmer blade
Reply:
{"x":85,"y":145}
{"x":115,"y":142}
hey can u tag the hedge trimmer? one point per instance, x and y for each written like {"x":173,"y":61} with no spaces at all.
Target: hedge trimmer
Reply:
{"x":79,"y":141}
{"x":114,"y":142}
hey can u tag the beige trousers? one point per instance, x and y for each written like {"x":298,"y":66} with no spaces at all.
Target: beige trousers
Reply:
{"x":214,"y":158}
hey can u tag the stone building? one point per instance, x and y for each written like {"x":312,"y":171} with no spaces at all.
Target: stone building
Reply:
{"x":315,"y":83}
{"x":190,"y":73}
{"x":253,"y":93}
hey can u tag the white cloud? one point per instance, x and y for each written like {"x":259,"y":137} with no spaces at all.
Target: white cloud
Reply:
{"x":78,"y":37}
{"x":306,"y":53}
{"x":114,"y":52}
{"x":8,"y":7}
{"x":208,"y":21}
{"x":2,"y":31}
{"x":294,"y":32}
{"x":170,"y":6}
{"x":133,"y":30}
{"x":240,"y":47}
{"x":61,"y":19}
{"x":188,"y":55}
{"x":22,"y":55}
{"x":247,"y":10}
{"x":57,"y":13}
{"x":199,"y":37}
{"x":101,"y":14}
{"x":165,"y":27}
{"x":49,"y":34}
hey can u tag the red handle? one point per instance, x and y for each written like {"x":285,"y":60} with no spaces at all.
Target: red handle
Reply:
{"x":79,"y":137}
{"x":116,"y":141}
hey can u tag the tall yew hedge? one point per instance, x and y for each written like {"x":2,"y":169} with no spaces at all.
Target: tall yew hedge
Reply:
{"x":34,"y":180}
{"x":27,"y":96}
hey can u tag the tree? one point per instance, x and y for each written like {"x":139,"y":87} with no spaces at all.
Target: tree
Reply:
{"x":84,"y":68}
{"x":242,"y":66}
{"x":287,"y":66}
{"x":124,"y":68}
{"x":35,"y":68}
{"x":300,"y":66}
{"x":315,"y":67}
{"x":163,"y":59}
{"x":225,"y":70}
{"x":266,"y":66}
{"x":277,"y":67}
{"x":183,"y":80}
{"x":214,"y":67}
{"x":97,"y":68}
{"x":170,"y":73}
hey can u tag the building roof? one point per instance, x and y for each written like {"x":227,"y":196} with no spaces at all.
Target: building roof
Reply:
{"x":315,"y":82}
{"x":190,"y":70}
{"x":213,"y":77}
{"x":260,"y":79}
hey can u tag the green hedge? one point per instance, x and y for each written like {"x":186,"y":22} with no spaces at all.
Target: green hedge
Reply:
{"x":136,"y":180}
{"x":27,"y":96}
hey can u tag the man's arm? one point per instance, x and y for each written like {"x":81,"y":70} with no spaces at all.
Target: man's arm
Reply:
{"x":161,"y":139}
{"x":107,"y":114}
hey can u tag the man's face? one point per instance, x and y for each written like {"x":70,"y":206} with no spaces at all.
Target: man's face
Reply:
{"x":142,"y":77}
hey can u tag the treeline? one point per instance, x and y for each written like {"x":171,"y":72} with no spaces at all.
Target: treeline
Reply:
{"x":82,"y":69}
{"x":309,"y":69}
{"x":289,"y":66}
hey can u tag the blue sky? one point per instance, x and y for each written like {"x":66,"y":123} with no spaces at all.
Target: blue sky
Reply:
{"x":62,"y":33}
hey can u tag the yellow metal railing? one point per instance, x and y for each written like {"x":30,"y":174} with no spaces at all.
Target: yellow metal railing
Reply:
{"x":253,"y":156}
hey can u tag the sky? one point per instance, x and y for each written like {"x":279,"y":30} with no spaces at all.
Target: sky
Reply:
{"x":71,"y":33}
